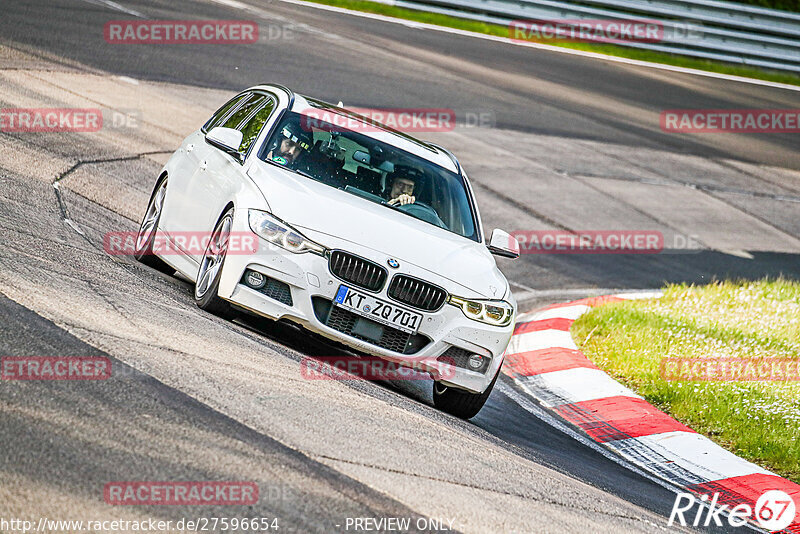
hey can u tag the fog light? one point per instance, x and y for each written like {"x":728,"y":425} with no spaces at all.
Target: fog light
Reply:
{"x":476,"y":361}
{"x":256,"y":280}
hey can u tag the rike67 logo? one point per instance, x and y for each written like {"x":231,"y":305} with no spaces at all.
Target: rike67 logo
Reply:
{"x":774,"y":510}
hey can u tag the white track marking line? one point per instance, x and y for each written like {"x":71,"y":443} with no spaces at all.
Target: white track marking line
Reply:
{"x":527,"y":317}
{"x":579,"y":292}
{"x":563,"y":312}
{"x":640,"y":295}
{"x":128,"y":79}
{"x":232,"y":3}
{"x":695,"y":453}
{"x":577,"y":385}
{"x":538,"y":46}
{"x":114,"y":5}
{"x":541,"y":339}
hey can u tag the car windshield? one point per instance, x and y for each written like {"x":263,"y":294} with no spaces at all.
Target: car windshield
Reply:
{"x":373,"y":170}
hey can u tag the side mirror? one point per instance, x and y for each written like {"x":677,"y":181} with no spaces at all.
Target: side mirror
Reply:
{"x":503,"y":244}
{"x":226,"y":139}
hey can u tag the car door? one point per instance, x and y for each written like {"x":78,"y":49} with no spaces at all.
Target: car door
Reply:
{"x":220,"y":174}
{"x":177,"y":217}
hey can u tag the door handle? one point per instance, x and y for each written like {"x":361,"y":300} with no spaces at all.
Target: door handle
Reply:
{"x":203,"y":165}
{"x":189,"y":147}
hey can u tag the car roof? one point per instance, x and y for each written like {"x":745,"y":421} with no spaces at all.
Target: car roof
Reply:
{"x":380,"y":132}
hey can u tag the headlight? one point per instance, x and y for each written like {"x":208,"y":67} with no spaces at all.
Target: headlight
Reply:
{"x":493,"y":312}
{"x":274,"y":230}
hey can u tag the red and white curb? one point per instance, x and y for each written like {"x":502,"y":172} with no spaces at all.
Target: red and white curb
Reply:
{"x":543,"y":359}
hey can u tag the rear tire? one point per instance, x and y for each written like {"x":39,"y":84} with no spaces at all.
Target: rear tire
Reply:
{"x":458,"y":402}
{"x":149,"y":227}
{"x":206,"y":287}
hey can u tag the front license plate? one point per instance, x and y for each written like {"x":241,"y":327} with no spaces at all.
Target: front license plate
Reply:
{"x":378,"y":310}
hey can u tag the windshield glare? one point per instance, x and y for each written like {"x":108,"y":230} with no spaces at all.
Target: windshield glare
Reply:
{"x":373,"y":170}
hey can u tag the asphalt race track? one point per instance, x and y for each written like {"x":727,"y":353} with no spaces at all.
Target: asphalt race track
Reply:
{"x":573,"y":143}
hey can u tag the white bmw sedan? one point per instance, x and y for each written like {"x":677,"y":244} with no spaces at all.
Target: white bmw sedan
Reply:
{"x":362,"y":234}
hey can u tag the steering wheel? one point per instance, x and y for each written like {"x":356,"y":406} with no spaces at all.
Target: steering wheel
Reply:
{"x":422,"y":211}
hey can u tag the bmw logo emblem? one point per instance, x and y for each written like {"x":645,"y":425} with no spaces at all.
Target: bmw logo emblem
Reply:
{"x":393,"y":263}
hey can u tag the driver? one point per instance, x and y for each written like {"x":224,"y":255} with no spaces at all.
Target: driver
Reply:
{"x":291,"y":141}
{"x":403,"y":181}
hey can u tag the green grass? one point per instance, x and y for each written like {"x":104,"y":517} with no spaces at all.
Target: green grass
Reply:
{"x":759,"y":421}
{"x":786,"y":5}
{"x":608,"y":49}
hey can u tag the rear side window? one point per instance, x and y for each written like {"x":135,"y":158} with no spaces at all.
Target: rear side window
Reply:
{"x":220,"y":114}
{"x":252,"y":125}
{"x":237,"y":118}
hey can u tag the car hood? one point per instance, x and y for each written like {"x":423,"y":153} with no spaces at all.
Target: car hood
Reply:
{"x":320,"y":210}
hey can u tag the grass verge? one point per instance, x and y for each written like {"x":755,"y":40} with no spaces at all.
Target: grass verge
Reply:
{"x":759,"y":421}
{"x":600,"y":48}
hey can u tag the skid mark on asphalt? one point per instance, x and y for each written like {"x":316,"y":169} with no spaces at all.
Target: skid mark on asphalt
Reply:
{"x":692,"y":185}
{"x":80,"y":163}
{"x":521,"y":206}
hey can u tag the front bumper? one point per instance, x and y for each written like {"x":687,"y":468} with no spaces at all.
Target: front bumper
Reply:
{"x":311,"y":285}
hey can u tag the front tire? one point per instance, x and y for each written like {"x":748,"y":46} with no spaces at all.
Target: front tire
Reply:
{"x":206,"y":287}
{"x":458,"y":402}
{"x":146,"y":236}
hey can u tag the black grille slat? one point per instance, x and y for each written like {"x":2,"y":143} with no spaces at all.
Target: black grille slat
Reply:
{"x":417,"y":293}
{"x":403,"y":288}
{"x":363,"y":275}
{"x":358,"y":271}
{"x":347,"y":270}
{"x":434,"y":300}
{"x":409,"y":286}
{"x":426,"y":297}
{"x":372,"y":274}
